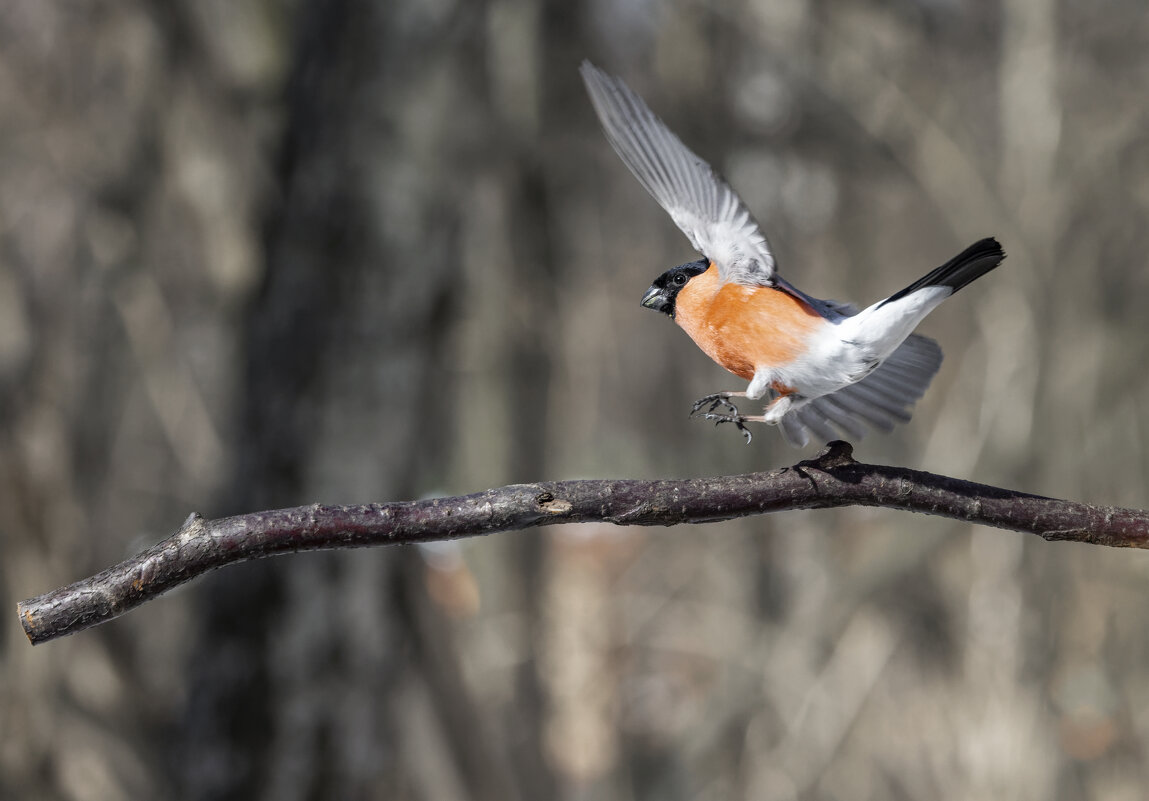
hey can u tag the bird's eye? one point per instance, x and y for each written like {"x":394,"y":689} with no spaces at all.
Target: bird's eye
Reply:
{"x":679,"y":279}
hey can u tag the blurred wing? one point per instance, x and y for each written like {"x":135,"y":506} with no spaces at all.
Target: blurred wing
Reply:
{"x":879,"y":400}
{"x":716,"y":222}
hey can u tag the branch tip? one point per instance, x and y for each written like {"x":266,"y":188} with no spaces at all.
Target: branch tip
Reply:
{"x":192,"y":521}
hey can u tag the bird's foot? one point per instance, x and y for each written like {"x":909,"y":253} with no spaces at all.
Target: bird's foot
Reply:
{"x":716,"y":400}
{"x":722,"y":399}
{"x":738,"y":420}
{"x":711,"y":404}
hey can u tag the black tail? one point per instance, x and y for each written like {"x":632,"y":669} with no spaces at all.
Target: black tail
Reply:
{"x":969,"y":265}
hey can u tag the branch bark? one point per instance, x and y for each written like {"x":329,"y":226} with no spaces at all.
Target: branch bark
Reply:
{"x":833,"y":478}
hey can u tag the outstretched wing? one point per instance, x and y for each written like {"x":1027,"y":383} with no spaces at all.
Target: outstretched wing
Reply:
{"x":716,"y":222}
{"x":879,"y":400}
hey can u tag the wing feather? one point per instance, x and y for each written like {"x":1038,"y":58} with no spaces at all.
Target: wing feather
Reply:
{"x":702,"y":204}
{"x":879,"y":400}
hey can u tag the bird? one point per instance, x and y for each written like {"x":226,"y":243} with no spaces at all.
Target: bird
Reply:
{"x":823,"y":366}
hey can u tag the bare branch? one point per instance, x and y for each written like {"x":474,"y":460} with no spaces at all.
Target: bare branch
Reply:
{"x":831,"y":479}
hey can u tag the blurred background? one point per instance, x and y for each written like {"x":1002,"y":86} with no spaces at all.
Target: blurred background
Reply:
{"x":260,"y":253}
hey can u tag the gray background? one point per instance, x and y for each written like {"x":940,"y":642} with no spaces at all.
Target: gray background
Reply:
{"x":259,"y":253}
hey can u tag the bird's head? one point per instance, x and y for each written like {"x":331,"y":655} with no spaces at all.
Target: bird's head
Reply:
{"x":665,"y":289}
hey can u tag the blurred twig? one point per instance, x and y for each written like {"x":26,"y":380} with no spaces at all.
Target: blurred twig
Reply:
{"x":831,"y":479}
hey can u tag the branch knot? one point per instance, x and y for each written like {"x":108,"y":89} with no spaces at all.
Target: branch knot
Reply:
{"x":834,"y":456}
{"x":552,"y":505}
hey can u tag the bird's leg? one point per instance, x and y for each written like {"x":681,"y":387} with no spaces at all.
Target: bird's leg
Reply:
{"x":778,"y":409}
{"x":716,"y":400}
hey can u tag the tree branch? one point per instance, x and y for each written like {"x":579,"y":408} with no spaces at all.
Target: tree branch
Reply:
{"x":831,"y":479}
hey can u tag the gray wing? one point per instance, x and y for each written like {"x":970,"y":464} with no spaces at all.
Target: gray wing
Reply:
{"x":714,"y":219}
{"x":879,"y":400}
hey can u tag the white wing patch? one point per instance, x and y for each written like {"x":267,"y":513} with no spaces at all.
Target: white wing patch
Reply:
{"x":702,"y":205}
{"x":880,"y":400}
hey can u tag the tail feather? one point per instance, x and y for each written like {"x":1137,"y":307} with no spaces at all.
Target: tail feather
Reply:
{"x":969,"y":265}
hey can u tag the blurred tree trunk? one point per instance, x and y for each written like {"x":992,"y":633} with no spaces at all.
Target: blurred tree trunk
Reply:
{"x":129,"y":176}
{"x":313,"y":678}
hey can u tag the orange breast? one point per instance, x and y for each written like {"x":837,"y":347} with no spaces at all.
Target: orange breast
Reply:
{"x":744,"y":327}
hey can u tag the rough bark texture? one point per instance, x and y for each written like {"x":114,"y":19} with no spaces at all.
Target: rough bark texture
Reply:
{"x":832,"y":479}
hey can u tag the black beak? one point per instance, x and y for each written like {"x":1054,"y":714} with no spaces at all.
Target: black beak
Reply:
{"x":655,"y":299}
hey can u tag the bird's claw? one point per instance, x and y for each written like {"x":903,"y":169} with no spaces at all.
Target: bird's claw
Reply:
{"x":737,"y":419}
{"x":719,"y":399}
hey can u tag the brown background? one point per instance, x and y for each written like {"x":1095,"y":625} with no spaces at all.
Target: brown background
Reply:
{"x":257,"y":253}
